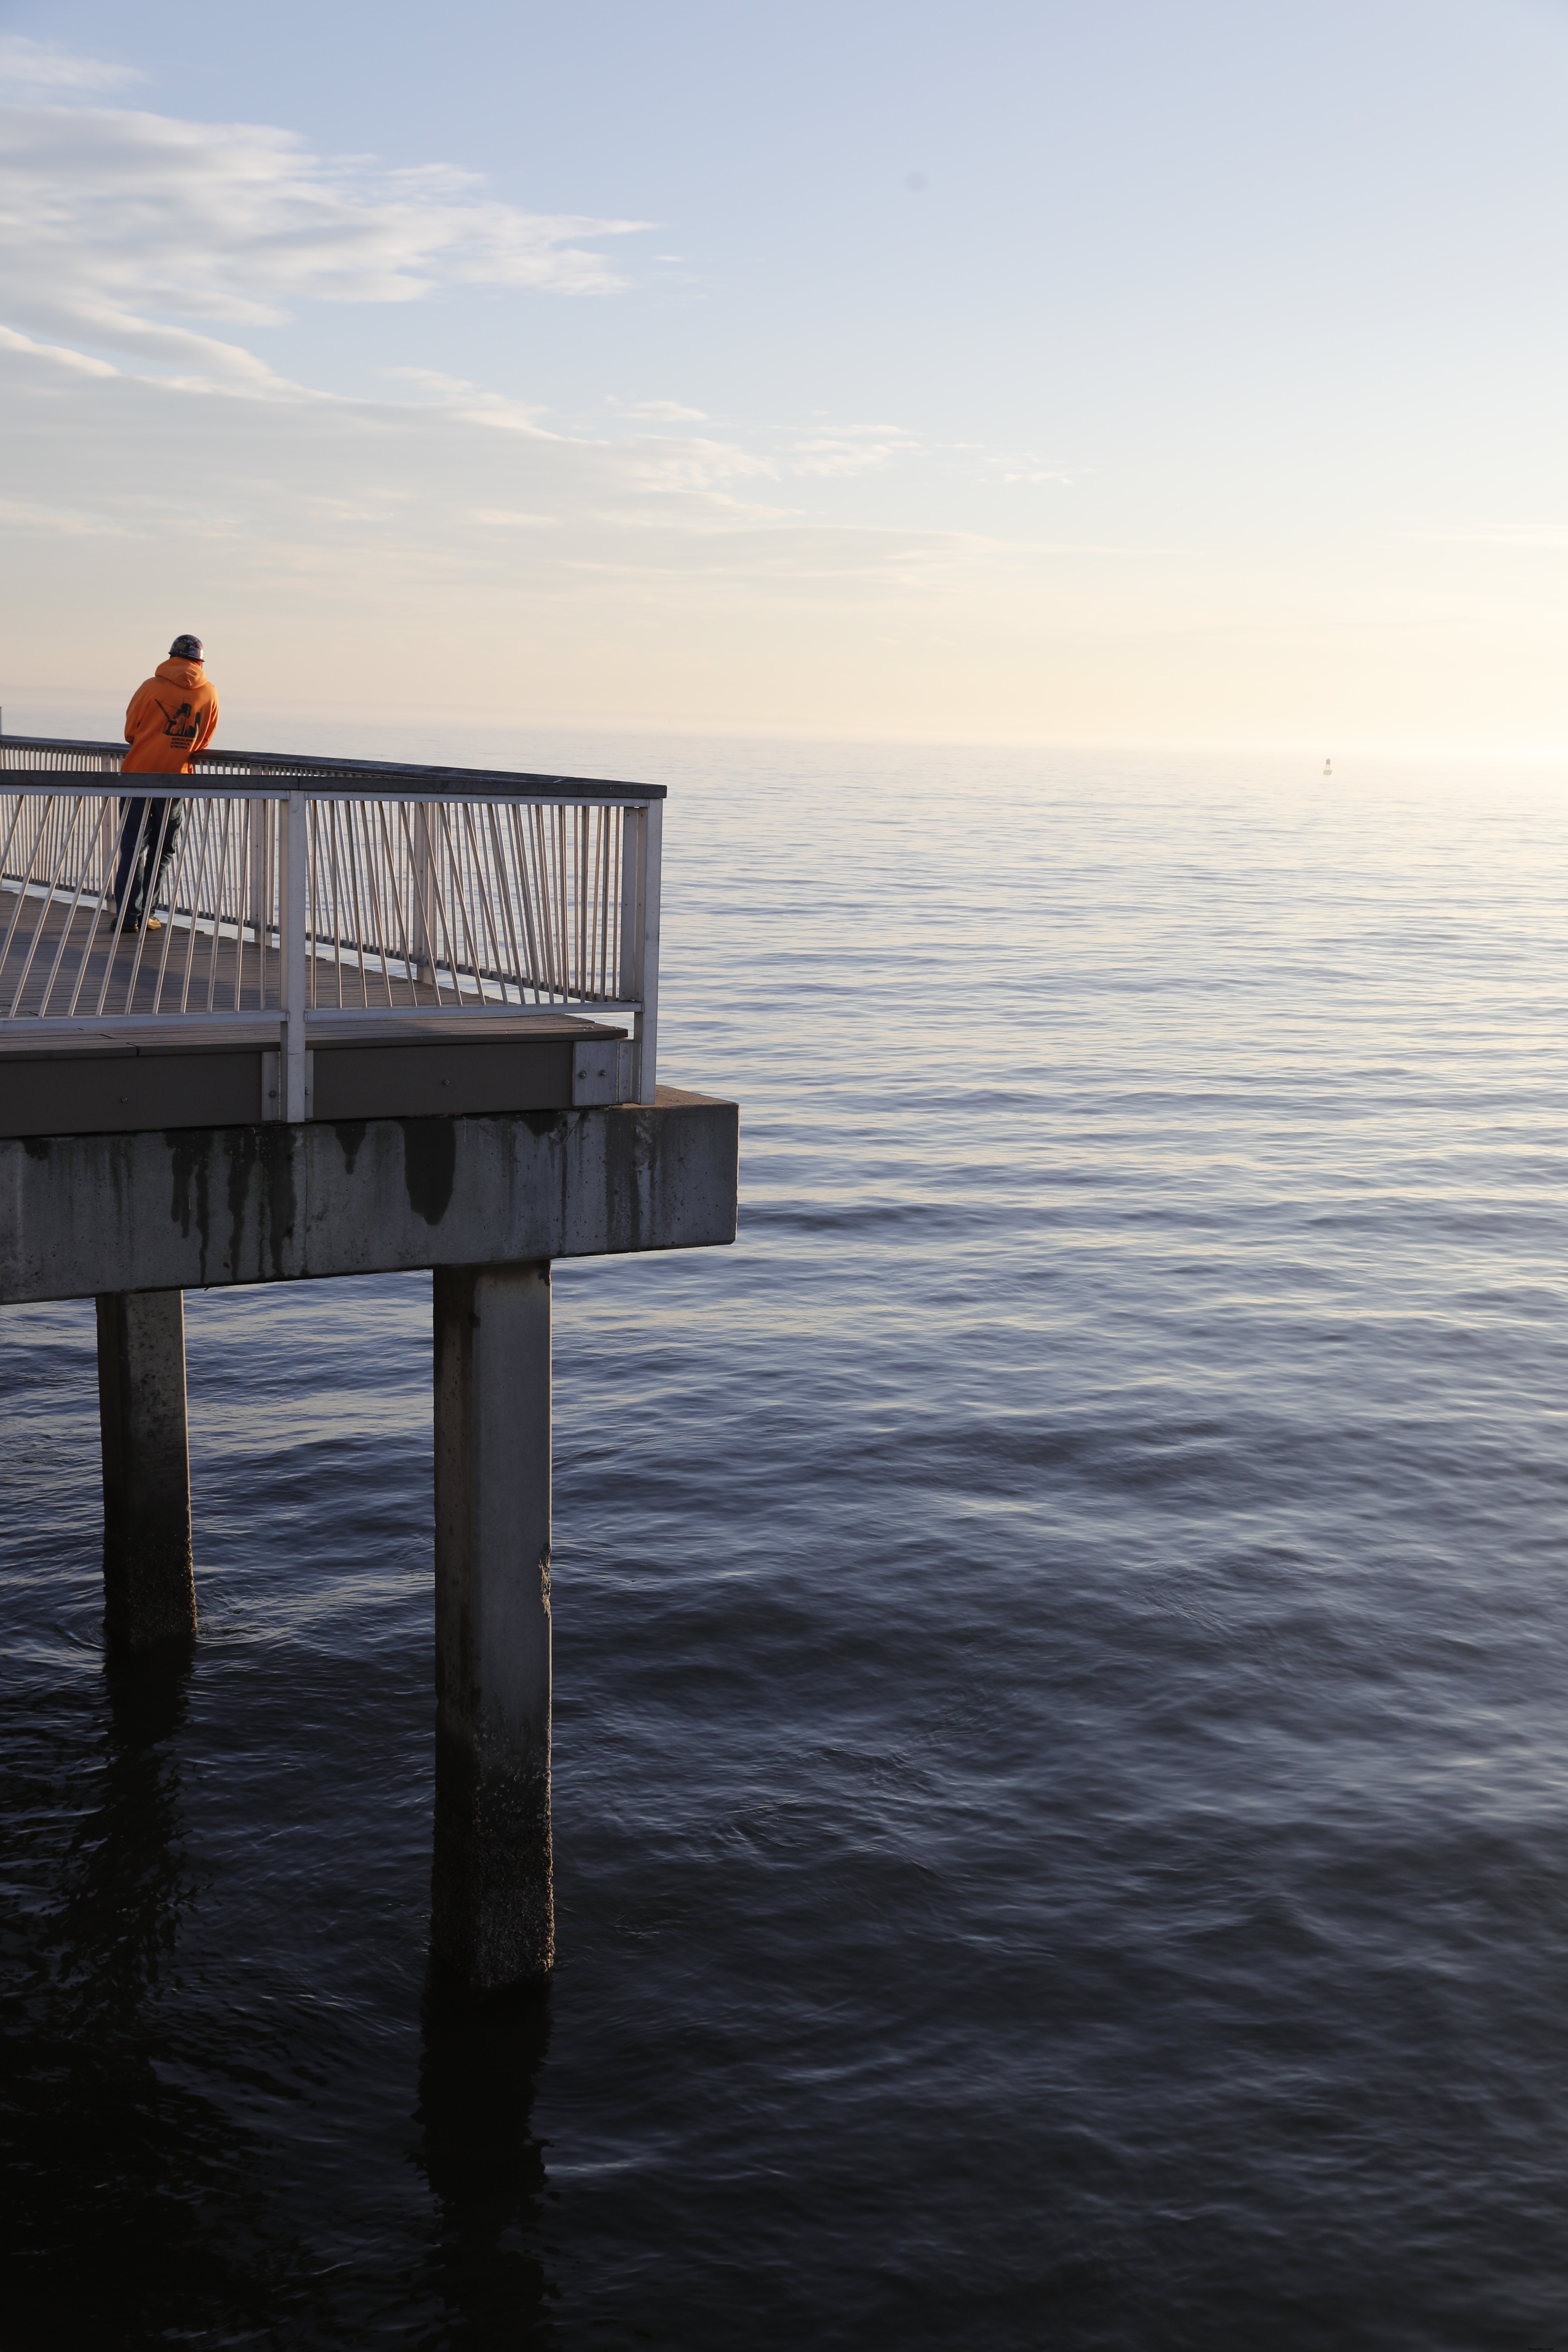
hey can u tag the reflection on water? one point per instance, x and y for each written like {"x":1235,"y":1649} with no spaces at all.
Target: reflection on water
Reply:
{"x":113,"y":2164}
{"x":139,"y":2206}
{"x":477,"y":2073}
{"x":124,"y":1876}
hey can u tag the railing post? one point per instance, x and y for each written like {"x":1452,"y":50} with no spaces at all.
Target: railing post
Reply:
{"x":294,"y":880}
{"x":641,"y":850}
{"x":646,"y":1029}
{"x":631,"y":903}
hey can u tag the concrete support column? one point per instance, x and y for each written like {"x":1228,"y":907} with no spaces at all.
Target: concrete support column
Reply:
{"x":150,"y":1592}
{"x":493,"y":1910}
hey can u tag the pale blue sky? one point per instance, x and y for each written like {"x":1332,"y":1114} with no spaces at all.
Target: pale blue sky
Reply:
{"x":1101,"y":371}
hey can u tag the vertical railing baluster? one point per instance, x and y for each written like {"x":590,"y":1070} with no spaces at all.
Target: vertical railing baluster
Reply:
{"x":457,"y":911}
{"x":482,"y":891}
{"x":261,"y":897}
{"x":580,"y":828}
{"x":23,"y":886}
{"x":424,"y":884}
{"x":189,"y":834}
{"x":357,"y":936}
{"x":118,"y":932}
{"x":405,"y":838}
{"x":379,"y":867}
{"x":524,"y":900}
{"x":498,"y":860}
{"x":603,"y":951}
{"x":540,"y":884}
{"x":223,"y":824}
{"x":197,"y":885}
{"x":84,"y":961}
{"x":365,"y":918}
{"x":314,"y":907}
{"x":563,"y":910}
{"x":77,"y":813}
{"x":293,"y":879}
{"x":21,"y":802}
{"x":245,"y":893}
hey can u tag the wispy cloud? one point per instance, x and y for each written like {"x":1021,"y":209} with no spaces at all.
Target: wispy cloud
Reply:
{"x":56,"y":523}
{"x":138,"y":234}
{"x":35,"y":66}
{"x":694,"y":462}
{"x":432,"y":380}
{"x":473,"y":403}
{"x":668,"y":412}
{"x":54,"y":354}
{"x":850,"y":449}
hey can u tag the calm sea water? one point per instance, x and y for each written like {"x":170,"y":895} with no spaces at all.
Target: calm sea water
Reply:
{"x":1061,"y":1787}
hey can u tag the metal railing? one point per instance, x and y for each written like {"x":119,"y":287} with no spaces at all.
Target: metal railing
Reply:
{"x":288,"y":887}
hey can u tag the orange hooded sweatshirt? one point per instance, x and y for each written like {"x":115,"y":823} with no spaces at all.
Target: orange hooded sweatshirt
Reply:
{"x":172,"y":716}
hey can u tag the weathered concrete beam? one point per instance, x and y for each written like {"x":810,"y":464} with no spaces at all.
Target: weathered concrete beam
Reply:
{"x":193,"y":1208}
{"x":149,"y":1589}
{"x":493,"y":1917}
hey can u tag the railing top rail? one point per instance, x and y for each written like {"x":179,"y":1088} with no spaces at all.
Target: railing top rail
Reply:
{"x":400,"y":778}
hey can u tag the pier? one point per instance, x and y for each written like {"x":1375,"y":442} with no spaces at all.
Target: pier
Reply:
{"x":394,"y":1018}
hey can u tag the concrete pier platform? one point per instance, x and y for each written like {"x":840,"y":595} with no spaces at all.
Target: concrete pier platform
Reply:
{"x":135,"y":1218}
{"x":192,"y":1208}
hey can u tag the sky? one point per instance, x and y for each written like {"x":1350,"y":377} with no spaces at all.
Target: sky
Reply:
{"x":1125,"y":372}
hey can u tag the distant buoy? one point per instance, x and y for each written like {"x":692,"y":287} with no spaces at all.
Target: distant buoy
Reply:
{"x":1328,"y":767}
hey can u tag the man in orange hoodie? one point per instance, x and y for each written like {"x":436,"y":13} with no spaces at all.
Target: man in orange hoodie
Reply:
{"x":172,"y":716}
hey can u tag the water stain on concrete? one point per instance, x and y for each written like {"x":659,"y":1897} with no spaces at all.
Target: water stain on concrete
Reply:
{"x":351,"y":1135}
{"x":429,"y":1165}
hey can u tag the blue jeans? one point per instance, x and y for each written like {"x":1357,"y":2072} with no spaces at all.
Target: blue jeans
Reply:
{"x":141,"y":870}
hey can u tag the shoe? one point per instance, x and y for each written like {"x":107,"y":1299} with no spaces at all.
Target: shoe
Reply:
{"x":154,"y":923}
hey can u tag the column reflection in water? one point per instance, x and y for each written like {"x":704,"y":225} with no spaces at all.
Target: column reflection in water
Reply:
{"x":101,"y":2134}
{"x":479,"y":2070}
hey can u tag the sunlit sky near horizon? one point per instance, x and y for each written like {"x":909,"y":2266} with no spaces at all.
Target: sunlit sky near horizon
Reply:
{"x":1106,"y":372}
